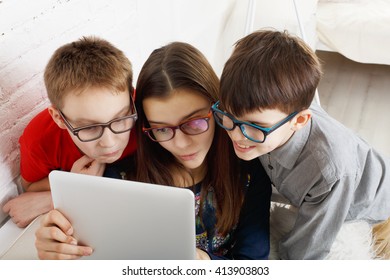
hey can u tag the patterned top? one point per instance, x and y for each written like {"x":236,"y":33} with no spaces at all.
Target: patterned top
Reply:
{"x":249,"y":239}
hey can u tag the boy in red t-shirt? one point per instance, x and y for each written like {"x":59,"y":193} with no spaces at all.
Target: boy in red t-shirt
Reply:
{"x":86,"y":128}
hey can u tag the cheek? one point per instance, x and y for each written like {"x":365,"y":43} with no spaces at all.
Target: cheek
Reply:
{"x":124,"y":138}
{"x":207,"y":137}
{"x":87,"y":148}
{"x":278,"y":137}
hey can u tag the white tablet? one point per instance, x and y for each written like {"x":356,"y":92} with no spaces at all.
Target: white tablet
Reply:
{"x":123,"y":219}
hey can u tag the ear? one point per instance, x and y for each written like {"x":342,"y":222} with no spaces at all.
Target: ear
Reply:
{"x":55,"y":115}
{"x":301,"y":119}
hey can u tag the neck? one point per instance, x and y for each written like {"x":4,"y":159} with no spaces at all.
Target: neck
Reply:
{"x":190,"y":177}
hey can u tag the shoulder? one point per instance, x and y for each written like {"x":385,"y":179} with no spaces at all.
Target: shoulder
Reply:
{"x":43,"y":131}
{"x":41,"y":122}
{"x":334,"y":146}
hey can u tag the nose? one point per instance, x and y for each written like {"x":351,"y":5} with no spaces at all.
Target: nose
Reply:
{"x":107,"y":139}
{"x":181,"y":140}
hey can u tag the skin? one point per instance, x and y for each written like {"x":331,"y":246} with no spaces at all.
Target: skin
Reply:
{"x":54,"y":238}
{"x":182,"y":105}
{"x":248,"y":150}
{"x":189,"y":150}
{"x":93,"y":105}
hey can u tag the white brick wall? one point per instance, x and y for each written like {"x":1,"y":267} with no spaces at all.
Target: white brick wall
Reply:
{"x":30,"y":31}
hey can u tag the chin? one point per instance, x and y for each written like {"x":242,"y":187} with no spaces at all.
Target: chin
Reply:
{"x":247,"y":156}
{"x":108,"y":160}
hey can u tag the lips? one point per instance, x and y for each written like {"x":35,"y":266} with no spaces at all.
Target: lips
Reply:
{"x":242,"y":148}
{"x":188,"y":157}
{"x":112,"y":154}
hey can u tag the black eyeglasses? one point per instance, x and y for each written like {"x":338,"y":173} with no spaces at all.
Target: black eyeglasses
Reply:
{"x":190,"y":127}
{"x":251,"y":131}
{"x":93,"y":132}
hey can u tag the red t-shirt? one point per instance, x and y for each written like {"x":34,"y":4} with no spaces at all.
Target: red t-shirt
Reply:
{"x":45,"y":147}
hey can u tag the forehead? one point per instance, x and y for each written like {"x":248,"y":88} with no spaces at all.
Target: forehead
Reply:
{"x":175,"y":106}
{"x":263,"y":117}
{"x":98,"y":104}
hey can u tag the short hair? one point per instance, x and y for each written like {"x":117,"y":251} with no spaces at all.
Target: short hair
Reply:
{"x":88,"y":62}
{"x":269,"y":70}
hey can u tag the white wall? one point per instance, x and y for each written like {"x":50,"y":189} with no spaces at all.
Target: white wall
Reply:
{"x":30,"y":31}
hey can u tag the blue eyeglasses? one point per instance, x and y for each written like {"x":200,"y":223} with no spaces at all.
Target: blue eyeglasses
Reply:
{"x":251,"y":131}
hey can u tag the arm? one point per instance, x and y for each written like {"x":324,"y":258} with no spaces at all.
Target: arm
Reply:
{"x":54,"y":239}
{"x":251,"y":238}
{"x":37,"y":198}
{"x":39,"y":186}
{"x":27,"y":206}
{"x":319,"y":220}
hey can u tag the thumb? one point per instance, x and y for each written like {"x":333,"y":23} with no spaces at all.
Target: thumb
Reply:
{"x":82,"y":163}
{"x":6,"y":208}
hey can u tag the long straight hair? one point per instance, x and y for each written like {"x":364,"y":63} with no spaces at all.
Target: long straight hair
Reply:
{"x":181,"y":66}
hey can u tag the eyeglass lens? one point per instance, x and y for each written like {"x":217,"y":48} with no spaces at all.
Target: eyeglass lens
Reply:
{"x":192,"y":127}
{"x":226,"y":122}
{"x":116,"y":126}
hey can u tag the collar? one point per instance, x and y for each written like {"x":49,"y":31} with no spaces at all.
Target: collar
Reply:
{"x":288,"y":154}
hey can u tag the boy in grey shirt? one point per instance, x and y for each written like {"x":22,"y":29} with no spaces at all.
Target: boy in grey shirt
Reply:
{"x":325,"y":170}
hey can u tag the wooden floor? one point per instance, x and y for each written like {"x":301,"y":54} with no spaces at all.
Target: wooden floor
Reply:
{"x":358,"y":95}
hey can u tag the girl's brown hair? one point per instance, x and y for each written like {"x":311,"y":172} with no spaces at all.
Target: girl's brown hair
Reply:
{"x":181,"y":66}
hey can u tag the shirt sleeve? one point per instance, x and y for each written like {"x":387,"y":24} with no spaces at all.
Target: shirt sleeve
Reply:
{"x":251,"y":238}
{"x":33,"y":161}
{"x":319,"y":219}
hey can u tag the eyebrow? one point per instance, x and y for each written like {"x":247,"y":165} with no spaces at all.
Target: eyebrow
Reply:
{"x":186,"y":117}
{"x":83,"y":122}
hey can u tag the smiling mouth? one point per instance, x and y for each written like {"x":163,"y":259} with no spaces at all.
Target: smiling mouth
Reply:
{"x":242,"y":146}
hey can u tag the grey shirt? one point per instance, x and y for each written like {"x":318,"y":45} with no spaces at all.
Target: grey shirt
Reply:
{"x":332,"y":176}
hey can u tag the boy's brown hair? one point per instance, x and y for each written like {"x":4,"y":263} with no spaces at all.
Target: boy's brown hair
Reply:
{"x":269,"y":70}
{"x":88,"y":62}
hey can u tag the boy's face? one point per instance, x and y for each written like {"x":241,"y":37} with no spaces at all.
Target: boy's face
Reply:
{"x":98,"y":106}
{"x":247,"y":149}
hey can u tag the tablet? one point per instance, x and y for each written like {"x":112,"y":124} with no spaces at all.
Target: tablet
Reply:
{"x":123,"y":219}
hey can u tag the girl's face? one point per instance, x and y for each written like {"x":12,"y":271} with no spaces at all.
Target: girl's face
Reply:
{"x":180,"y":106}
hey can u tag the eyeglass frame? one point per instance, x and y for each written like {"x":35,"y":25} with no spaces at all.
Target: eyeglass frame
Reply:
{"x":265,"y":130}
{"x":207,"y":118}
{"x":75,"y":131}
